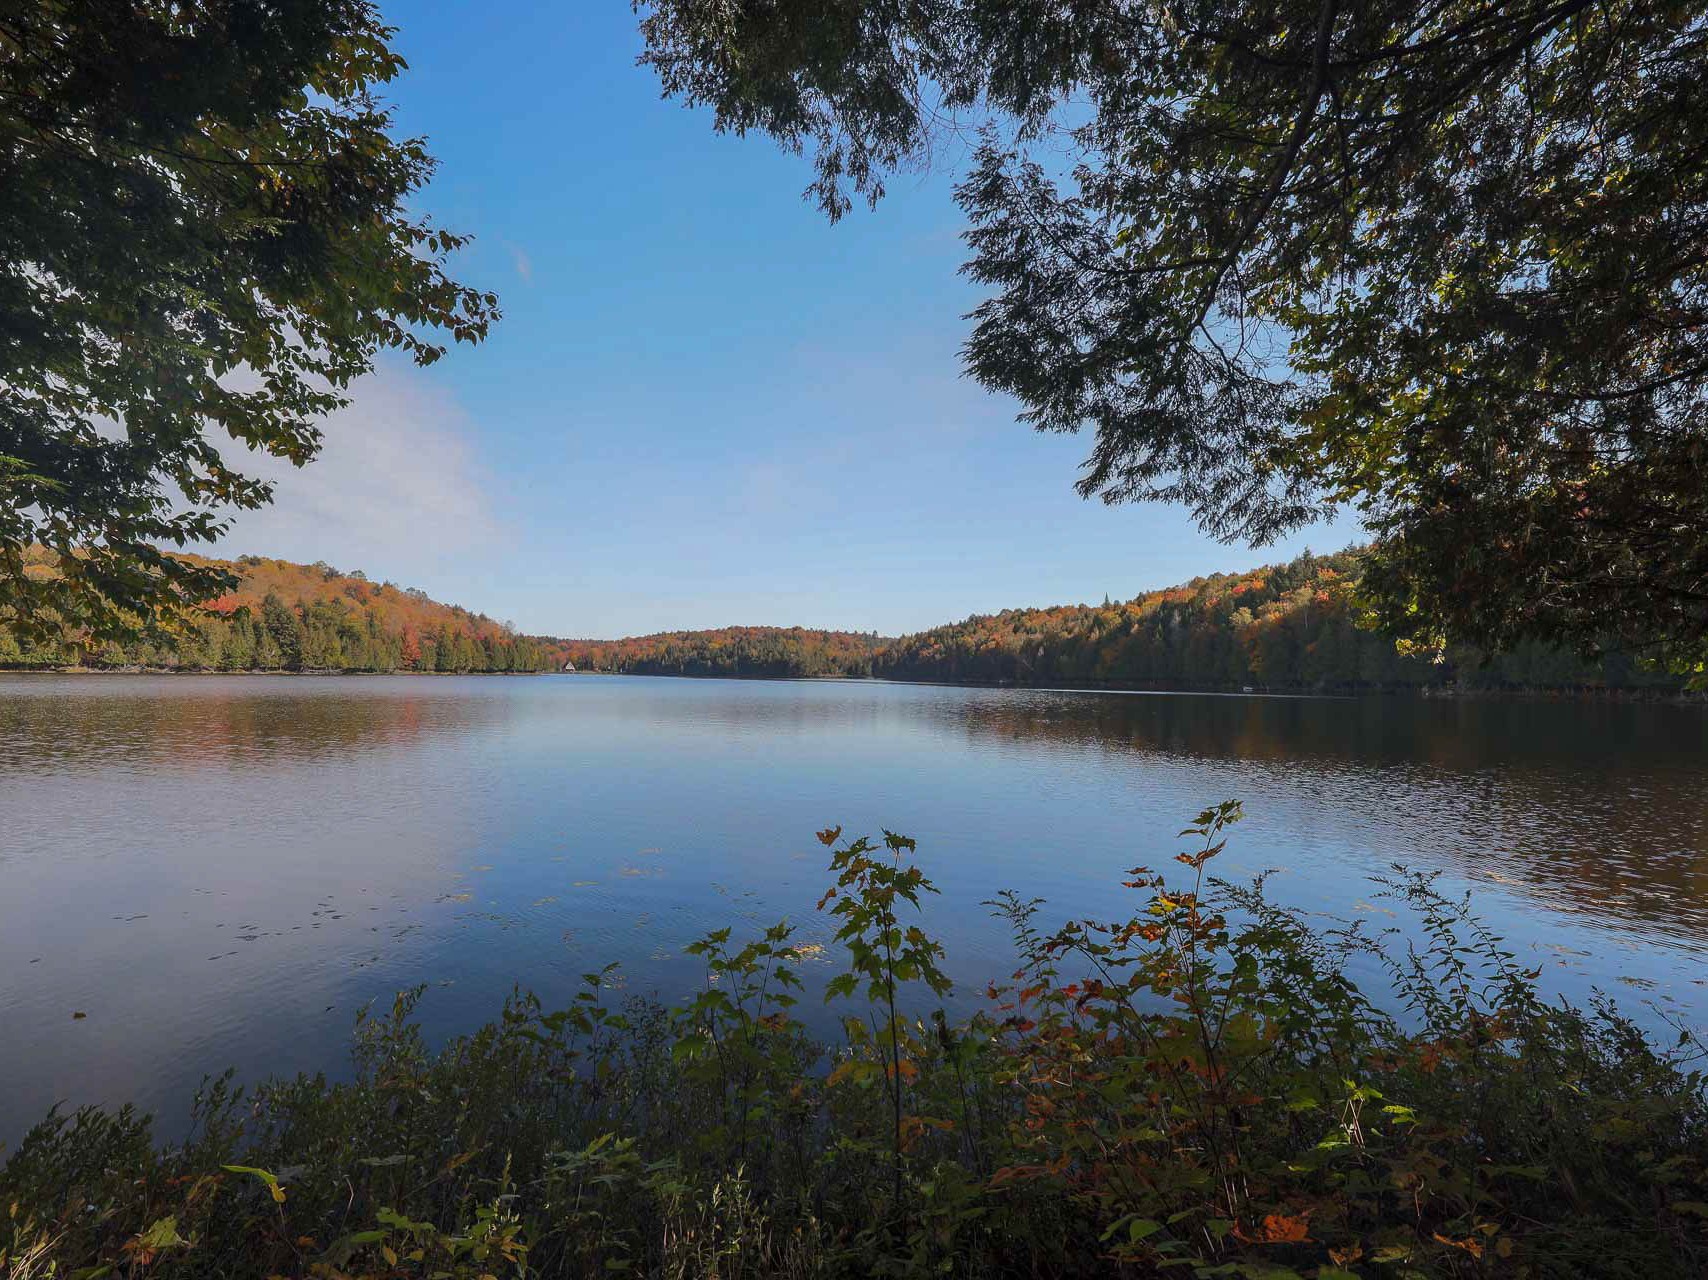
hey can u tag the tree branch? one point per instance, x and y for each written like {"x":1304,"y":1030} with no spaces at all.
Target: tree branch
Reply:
{"x":1289,"y":156}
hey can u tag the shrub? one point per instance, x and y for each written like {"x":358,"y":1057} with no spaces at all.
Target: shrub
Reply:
{"x":1198,"y":1089}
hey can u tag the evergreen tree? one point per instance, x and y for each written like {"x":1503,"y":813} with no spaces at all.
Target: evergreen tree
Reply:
{"x":285,"y":628}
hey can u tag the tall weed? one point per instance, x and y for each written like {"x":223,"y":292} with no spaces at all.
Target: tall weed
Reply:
{"x":1195,"y":1086}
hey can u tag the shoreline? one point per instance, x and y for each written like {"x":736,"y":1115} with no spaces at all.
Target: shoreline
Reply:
{"x":1580,"y":693}
{"x":249,"y":671}
{"x":1420,"y":692}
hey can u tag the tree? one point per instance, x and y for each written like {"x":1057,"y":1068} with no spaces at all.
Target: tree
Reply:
{"x":284,"y":627}
{"x":409,"y":648}
{"x":205,"y":235}
{"x":1444,"y":266}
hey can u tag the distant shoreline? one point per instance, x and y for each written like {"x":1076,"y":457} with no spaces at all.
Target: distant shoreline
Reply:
{"x":1420,"y":692}
{"x":249,"y":671}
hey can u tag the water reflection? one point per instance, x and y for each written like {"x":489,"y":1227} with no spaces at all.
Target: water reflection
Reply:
{"x":221,"y":870}
{"x":1465,"y":735}
{"x":1593,"y":806}
{"x":51,"y":723}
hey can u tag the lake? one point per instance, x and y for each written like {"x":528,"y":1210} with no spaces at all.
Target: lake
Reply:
{"x":219,"y":871}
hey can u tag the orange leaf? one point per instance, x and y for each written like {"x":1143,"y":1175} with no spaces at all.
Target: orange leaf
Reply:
{"x":1470,"y":1244}
{"x":1280,"y":1228}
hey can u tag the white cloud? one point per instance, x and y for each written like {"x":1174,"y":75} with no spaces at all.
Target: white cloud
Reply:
{"x":396,"y":487}
{"x":523,"y":263}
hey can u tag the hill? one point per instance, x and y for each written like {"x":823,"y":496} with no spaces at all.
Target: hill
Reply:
{"x":287,"y":616}
{"x":1289,"y":627}
{"x":1292,"y":626}
{"x":733,"y":651}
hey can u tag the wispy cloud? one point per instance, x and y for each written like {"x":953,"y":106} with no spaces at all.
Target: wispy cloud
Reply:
{"x":524,"y":264}
{"x":396,"y":488}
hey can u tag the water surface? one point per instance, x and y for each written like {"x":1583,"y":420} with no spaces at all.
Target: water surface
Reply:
{"x":218,"y":871}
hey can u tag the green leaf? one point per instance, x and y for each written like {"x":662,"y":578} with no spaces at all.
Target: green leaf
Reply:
{"x":271,"y":1182}
{"x":162,"y":1233}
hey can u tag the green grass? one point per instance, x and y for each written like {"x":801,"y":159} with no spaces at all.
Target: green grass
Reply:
{"x":1196,"y":1089}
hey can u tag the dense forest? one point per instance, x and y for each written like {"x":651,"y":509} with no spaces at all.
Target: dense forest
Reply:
{"x":293,"y":617}
{"x":1293,"y":626}
{"x":734,"y":651}
{"x":1287,"y":626}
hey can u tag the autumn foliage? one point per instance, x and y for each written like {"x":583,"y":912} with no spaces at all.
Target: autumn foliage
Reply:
{"x":733,"y":651}
{"x":296,"y":617}
{"x":1297,"y":626}
{"x":1294,"y":627}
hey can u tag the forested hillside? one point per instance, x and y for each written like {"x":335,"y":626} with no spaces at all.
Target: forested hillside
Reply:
{"x":295,"y":617}
{"x":733,"y":651}
{"x":1289,"y":626}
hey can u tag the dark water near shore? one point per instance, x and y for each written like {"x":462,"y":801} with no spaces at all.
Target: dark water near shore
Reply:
{"x":220,"y":870}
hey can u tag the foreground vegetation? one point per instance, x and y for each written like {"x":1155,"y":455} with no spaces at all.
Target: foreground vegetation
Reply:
{"x":1198,"y":1089}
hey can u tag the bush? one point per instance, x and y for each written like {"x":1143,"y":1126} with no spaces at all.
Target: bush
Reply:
{"x":1199,"y":1089}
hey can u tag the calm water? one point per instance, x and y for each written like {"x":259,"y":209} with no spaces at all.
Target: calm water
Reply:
{"x":220,"y":871}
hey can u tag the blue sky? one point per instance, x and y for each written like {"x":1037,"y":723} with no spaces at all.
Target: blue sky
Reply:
{"x":704,"y":404}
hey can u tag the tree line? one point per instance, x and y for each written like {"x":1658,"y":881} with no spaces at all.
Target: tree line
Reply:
{"x":1294,"y":626}
{"x":282,"y":616}
{"x":302,"y":636}
{"x":1298,"y":626}
{"x":733,"y":651}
